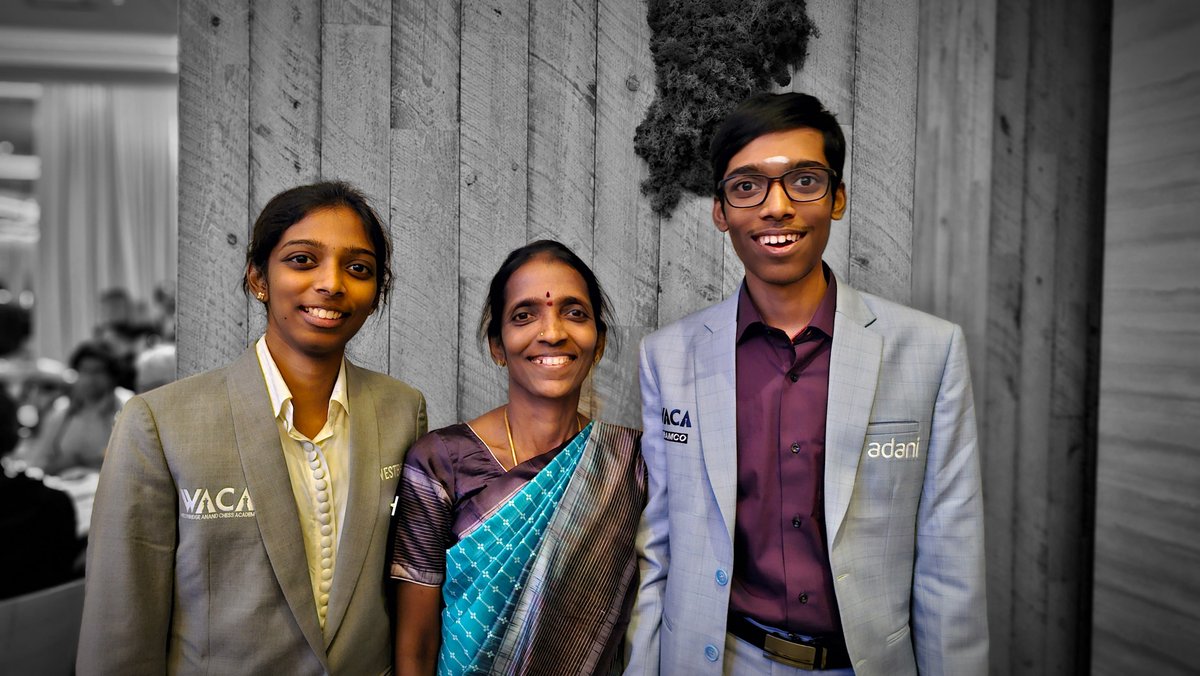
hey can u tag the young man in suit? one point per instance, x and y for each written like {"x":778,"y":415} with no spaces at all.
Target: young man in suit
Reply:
{"x":815,"y":497}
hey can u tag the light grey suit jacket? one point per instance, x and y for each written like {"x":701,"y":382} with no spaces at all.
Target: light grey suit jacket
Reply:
{"x":176,"y":588}
{"x":905,"y":527}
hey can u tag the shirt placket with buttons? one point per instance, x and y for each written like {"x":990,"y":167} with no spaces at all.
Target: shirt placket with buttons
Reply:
{"x":323,"y":522}
{"x":801,"y":463}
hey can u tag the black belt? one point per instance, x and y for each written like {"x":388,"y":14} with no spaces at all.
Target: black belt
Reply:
{"x":817,"y":652}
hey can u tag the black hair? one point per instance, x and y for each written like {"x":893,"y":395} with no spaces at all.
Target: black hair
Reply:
{"x":9,"y":427}
{"x":768,"y":113}
{"x":101,"y":352}
{"x":493,"y":307}
{"x":291,"y":206}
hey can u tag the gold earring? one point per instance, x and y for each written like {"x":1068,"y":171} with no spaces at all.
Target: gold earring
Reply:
{"x":261,"y":296}
{"x":501,"y":363}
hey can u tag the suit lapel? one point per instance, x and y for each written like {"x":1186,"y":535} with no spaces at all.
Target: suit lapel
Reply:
{"x":716,"y":401}
{"x":362,"y":514}
{"x":271,"y":490}
{"x":853,"y":377}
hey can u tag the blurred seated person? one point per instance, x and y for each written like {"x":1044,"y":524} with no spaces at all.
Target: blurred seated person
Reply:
{"x":37,"y":523}
{"x":76,"y":430}
{"x":155,"y":367}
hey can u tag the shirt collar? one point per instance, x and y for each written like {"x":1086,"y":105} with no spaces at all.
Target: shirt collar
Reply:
{"x":281,"y":395}
{"x":749,"y":317}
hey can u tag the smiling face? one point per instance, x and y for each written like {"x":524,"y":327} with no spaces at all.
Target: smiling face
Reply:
{"x":780,"y":242}
{"x":548,"y":331}
{"x":320,"y":284}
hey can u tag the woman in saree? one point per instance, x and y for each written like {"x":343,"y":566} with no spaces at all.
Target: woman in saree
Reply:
{"x":513,"y":536}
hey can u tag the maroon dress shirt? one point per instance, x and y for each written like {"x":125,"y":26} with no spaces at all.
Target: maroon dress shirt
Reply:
{"x":781,"y":573}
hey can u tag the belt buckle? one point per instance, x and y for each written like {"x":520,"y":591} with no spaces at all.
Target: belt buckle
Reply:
{"x":794,"y":653}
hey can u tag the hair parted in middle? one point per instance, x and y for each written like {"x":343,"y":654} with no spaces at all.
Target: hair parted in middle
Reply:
{"x":493,"y":307}
{"x":291,"y":206}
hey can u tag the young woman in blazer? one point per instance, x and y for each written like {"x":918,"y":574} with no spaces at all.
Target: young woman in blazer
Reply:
{"x":241,"y":517}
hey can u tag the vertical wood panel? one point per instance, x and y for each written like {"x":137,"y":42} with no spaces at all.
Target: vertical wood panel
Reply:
{"x":1003,"y":350}
{"x":355,"y":139}
{"x":1055,"y":443}
{"x":425,"y":304}
{"x":626,"y":230}
{"x":284,"y":117}
{"x":691,"y":260}
{"x":213,"y":178}
{"x":494,"y":153}
{"x":562,"y":122}
{"x":1147,"y":601}
{"x":884,"y":134}
{"x":954,"y":168}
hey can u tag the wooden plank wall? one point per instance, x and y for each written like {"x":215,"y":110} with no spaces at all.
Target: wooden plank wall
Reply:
{"x":476,"y":128}
{"x":1147,"y":603}
{"x":1007,"y":234}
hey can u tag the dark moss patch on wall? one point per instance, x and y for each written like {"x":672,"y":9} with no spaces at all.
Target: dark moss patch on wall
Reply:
{"x":708,"y":56}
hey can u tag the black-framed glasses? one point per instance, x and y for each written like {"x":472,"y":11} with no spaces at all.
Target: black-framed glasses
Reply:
{"x":803,"y":184}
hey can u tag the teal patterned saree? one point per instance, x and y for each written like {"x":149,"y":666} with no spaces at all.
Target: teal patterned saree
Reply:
{"x":543,"y":584}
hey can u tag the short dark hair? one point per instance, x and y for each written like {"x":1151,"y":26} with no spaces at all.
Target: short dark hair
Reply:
{"x":768,"y":113}
{"x":101,"y":352}
{"x":291,"y":206}
{"x":493,"y":306}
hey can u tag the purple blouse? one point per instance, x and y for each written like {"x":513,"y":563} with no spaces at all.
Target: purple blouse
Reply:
{"x":451,"y":482}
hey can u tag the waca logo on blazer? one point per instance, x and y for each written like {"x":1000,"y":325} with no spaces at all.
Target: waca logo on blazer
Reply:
{"x":226,"y":503}
{"x":677,"y":418}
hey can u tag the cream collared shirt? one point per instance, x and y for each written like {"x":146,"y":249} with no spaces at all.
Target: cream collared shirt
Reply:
{"x":319,"y":472}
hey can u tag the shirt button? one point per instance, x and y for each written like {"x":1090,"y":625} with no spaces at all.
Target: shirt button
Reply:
{"x":796,"y":521}
{"x":793,"y":377}
{"x":722,"y":577}
{"x":795,"y":447}
{"x":308,"y":446}
{"x":804,"y":598}
{"x":710,"y":652}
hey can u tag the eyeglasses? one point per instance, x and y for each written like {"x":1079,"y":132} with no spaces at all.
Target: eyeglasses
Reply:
{"x":805,"y":184}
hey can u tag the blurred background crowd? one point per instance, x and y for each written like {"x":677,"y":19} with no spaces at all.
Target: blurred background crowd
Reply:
{"x":55,"y":419}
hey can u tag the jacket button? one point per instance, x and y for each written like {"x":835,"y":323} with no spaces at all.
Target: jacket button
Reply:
{"x":722,"y":577}
{"x":710,"y":651}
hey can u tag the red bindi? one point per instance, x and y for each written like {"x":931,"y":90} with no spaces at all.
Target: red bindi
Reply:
{"x":549,"y":303}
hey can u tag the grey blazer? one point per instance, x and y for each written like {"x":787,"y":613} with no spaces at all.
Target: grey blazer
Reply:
{"x":903,"y":499}
{"x":173,"y":588}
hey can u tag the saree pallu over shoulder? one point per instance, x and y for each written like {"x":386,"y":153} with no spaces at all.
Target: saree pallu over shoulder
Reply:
{"x":543,"y":585}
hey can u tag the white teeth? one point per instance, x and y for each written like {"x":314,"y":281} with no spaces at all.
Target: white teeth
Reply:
{"x":322,"y":313}
{"x":779,"y":239}
{"x":552,"y":361}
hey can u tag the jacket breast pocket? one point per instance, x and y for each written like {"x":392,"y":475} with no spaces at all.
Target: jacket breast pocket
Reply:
{"x":893,"y":440}
{"x":891,"y":469}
